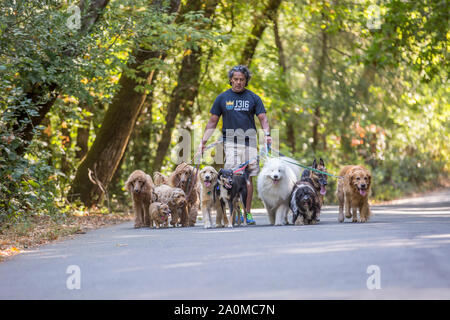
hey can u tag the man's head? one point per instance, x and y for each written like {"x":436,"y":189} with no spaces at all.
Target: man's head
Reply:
{"x":239,"y":77}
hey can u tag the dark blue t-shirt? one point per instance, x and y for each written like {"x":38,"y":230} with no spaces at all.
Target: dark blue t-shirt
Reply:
{"x":238,"y":112}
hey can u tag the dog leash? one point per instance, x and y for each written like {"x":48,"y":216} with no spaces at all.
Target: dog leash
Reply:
{"x":303,"y":166}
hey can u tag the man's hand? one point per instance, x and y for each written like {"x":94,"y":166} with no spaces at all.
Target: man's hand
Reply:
{"x":199,"y":153}
{"x":268,"y":140}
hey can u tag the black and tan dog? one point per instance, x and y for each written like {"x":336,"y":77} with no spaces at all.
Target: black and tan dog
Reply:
{"x":307,"y":197}
{"x":318,"y":179}
{"x":229,"y":189}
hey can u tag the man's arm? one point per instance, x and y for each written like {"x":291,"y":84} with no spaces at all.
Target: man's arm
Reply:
{"x":210,"y":126}
{"x":265,"y":125}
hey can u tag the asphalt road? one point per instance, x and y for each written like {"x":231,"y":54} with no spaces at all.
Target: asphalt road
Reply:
{"x":402,"y":253}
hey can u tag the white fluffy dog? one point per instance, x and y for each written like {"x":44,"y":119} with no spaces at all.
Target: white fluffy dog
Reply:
{"x":275,"y":184}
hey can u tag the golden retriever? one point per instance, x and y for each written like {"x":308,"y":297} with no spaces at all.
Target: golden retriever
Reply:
{"x":159,"y":214}
{"x":185,"y":177}
{"x":353,"y":193}
{"x":175,"y":198}
{"x":140,"y":186}
{"x":207,"y":181}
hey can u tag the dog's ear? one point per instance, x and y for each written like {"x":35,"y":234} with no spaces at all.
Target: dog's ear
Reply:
{"x":321,"y":162}
{"x":220,"y":172}
{"x":314,"y":165}
{"x":129,"y":185}
{"x":154,"y":196}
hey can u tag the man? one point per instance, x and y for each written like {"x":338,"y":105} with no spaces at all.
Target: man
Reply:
{"x":238,"y":106}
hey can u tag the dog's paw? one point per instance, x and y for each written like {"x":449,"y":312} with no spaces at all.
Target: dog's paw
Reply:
{"x":341,"y":218}
{"x":230,"y":225}
{"x":207,"y":225}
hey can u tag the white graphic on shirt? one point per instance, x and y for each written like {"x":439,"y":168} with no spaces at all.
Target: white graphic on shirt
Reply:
{"x":241,"y":105}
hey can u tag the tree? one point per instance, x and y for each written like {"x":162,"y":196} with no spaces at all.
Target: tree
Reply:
{"x":43,"y":95}
{"x":259,"y":25}
{"x":111,"y":141}
{"x":186,"y":90}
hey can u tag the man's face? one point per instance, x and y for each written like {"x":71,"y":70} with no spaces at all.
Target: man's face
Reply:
{"x":238,"y":82}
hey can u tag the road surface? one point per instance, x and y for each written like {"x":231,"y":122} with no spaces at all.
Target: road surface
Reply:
{"x":402,"y":253}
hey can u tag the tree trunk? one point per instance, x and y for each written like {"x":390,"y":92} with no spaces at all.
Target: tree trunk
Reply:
{"x":83,"y":134}
{"x":140,"y":140}
{"x":184,"y":94}
{"x":319,"y":99}
{"x":259,"y":25}
{"x":43,"y":96}
{"x":290,"y":132}
{"x":114,"y":134}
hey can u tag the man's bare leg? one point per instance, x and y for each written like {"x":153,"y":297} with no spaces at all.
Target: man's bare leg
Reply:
{"x":248,"y":206}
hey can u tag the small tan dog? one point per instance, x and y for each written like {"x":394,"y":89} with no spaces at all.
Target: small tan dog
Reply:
{"x":159,"y":215}
{"x":207,"y":181}
{"x":175,"y":198}
{"x":140,"y":186}
{"x":353,"y":193}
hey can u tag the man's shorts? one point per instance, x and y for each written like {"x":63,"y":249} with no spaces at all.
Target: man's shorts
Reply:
{"x":236,"y":154}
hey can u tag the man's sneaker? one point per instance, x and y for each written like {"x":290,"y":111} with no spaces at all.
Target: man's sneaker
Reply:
{"x":250,"y":219}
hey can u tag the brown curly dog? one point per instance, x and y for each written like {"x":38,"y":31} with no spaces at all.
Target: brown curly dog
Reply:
{"x":175,"y":198}
{"x":159,"y":179}
{"x":140,"y":186}
{"x":185,"y":177}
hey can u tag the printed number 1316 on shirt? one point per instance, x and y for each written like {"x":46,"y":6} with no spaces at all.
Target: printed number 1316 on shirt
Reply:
{"x":242,"y":105}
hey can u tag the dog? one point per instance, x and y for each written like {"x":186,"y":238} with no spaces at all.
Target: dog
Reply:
{"x":275,"y":183}
{"x":185,"y":177}
{"x":353,"y":193}
{"x":140,"y":186}
{"x":229,"y":189}
{"x":159,"y":179}
{"x":207,"y":180}
{"x":175,"y":198}
{"x":159,"y":214}
{"x":318,"y":179}
{"x":305,"y":201}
